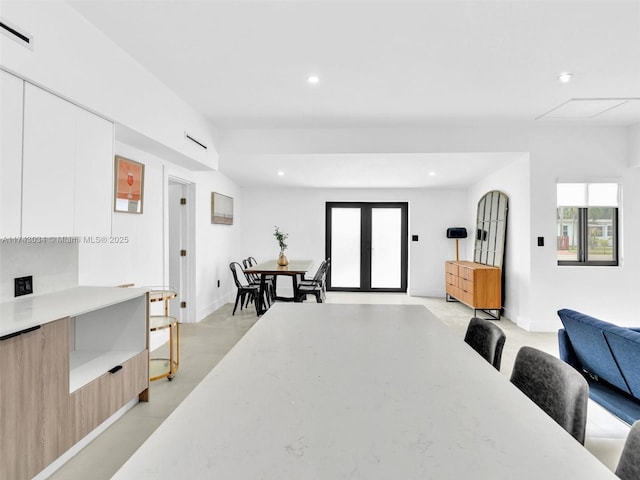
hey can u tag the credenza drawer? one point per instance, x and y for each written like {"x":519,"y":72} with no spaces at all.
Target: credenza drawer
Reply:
{"x":475,"y":284}
{"x":466,"y":285}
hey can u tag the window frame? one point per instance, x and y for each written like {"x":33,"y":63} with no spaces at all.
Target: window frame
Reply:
{"x":583,"y":236}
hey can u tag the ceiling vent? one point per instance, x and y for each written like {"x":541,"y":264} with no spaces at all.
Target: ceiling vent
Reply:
{"x":13,"y":32}
{"x":625,"y":108}
{"x":193,"y":140}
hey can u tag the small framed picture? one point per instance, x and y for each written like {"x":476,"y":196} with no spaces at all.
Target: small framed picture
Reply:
{"x":129,"y":185}
{"x":221,"y":209}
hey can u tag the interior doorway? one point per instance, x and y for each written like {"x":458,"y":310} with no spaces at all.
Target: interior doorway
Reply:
{"x":368,"y":246}
{"x":180,"y":248}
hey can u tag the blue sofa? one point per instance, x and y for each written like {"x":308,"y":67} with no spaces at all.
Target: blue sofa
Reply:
{"x":609,"y":358}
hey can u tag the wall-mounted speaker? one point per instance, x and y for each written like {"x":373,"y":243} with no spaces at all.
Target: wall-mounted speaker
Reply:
{"x":457,"y":232}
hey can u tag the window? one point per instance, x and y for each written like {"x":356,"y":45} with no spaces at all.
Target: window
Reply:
{"x":587,"y":223}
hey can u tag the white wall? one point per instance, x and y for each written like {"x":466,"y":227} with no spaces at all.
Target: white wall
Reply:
{"x":512,"y":180}
{"x":73,"y":59}
{"x":605,"y":292}
{"x":216,"y":245}
{"x":53,"y":265}
{"x":634,"y":145}
{"x":135,"y":251}
{"x":143,"y":257}
{"x":301,"y":214}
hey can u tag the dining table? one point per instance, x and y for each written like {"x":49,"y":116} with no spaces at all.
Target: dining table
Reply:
{"x":366,"y":392}
{"x":294,"y":269}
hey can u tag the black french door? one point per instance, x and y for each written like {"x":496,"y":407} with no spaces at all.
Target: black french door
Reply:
{"x":368,"y":246}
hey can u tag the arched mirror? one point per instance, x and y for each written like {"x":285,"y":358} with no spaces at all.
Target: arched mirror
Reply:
{"x":491,"y":229}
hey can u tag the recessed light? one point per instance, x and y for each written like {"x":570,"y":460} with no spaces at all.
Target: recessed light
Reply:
{"x":565,"y":77}
{"x":313,"y":79}
{"x":432,"y":174}
{"x":280,"y":173}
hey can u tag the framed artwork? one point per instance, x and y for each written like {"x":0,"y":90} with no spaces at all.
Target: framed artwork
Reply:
{"x":221,"y":209}
{"x":129,"y":185}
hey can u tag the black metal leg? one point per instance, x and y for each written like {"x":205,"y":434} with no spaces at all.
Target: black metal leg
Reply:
{"x":260,"y":300}
{"x":295,"y":289}
{"x":236,"y":304}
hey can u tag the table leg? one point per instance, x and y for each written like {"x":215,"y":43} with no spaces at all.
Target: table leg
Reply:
{"x":295,"y":288}
{"x":260,"y":308}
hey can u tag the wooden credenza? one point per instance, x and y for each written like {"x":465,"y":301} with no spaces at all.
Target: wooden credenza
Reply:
{"x":474,"y":284}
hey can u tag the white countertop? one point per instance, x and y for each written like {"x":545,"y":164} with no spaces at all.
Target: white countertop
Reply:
{"x":33,"y":310}
{"x":321,"y":391}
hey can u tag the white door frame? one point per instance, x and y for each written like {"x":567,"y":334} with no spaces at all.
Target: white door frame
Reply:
{"x":182,"y":267}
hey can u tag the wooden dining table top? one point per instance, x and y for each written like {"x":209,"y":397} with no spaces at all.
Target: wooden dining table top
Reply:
{"x":295,"y":267}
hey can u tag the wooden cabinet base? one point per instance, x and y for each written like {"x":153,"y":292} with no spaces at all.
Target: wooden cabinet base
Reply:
{"x":474,"y":284}
{"x":35,"y":397}
{"x":98,"y":400}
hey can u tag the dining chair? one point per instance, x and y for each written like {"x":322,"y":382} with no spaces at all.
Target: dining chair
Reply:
{"x":317,"y":286}
{"x":254,"y":278}
{"x":555,"y":386}
{"x":487,"y":339}
{"x":246,"y":291}
{"x":629,"y":464}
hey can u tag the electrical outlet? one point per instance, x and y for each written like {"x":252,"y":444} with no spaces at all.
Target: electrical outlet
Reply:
{"x":23,"y":286}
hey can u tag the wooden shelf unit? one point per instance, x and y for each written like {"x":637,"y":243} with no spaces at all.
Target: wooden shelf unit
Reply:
{"x":477,"y":285}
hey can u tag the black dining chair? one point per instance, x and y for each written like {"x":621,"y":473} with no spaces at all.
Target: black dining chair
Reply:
{"x":487,"y":339}
{"x":317,"y":286}
{"x":629,"y":464}
{"x":555,"y":386}
{"x":246,"y":291}
{"x":254,"y":278}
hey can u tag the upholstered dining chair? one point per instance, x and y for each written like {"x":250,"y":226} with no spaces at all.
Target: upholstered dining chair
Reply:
{"x":487,"y":339}
{"x":555,"y":386}
{"x":246,"y":291}
{"x":629,"y":464}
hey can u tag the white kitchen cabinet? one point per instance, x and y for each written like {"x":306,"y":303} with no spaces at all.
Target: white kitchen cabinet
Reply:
{"x":94,"y":175}
{"x":67,"y":168}
{"x":11,"y":92}
{"x":48,"y":164}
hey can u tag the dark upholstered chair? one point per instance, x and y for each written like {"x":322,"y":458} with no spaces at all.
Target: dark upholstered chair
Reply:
{"x":487,"y":339}
{"x":629,"y":464}
{"x":246,"y":290}
{"x":554,"y":386}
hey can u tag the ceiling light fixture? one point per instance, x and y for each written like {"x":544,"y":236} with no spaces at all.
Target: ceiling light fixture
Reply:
{"x":313,"y":79}
{"x":280,"y":173}
{"x":432,"y":174}
{"x":565,"y":77}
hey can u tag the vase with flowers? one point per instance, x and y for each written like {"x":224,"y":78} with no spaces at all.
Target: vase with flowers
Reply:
{"x":281,"y":237}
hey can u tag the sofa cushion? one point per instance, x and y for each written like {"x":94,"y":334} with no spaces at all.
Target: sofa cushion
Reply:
{"x":587,"y":338}
{"x":625,"y":346}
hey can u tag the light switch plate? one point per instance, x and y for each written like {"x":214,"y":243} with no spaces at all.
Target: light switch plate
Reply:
{"x":23,"y":286}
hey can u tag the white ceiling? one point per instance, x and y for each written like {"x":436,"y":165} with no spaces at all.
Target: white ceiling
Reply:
{"x":388,"y":63}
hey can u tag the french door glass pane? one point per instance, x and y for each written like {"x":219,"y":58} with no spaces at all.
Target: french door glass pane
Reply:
{"x":345,"y":247}
{"x":386,"y":254}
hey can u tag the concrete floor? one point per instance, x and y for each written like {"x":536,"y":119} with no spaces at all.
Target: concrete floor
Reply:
{"x":204,"y":344}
